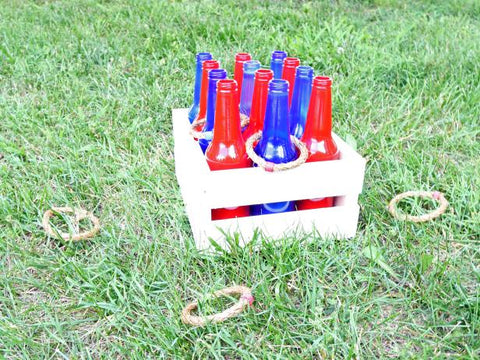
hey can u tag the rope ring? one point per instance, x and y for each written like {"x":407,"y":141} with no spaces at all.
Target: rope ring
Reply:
{"x":244,"y":120}
{"x":272,"y":167}
{"x":79,"y":215}
{"x":246,"y":299}
{"x":435,"y":195}
{"x":208,"y":135}
{"x":200,"y":134}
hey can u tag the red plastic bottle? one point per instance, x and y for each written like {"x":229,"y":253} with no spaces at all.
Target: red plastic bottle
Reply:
{"x":259,"y":102}
{"x":318,"y":134}
{"x":227,"y":149}
{"x":206,"y":67}
{"x":289,"y":67}
{"x":240,"y":58}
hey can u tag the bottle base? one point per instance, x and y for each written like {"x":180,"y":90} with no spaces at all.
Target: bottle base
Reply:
{"x":272,"y":208}
{"x":315,"y":203}
{"x":230,"y":213}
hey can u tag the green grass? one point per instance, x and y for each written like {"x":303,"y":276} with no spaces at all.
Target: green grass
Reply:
{"x":86,"y":92}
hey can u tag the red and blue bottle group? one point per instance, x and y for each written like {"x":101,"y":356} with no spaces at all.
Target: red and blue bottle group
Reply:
{"x":281,"y":101}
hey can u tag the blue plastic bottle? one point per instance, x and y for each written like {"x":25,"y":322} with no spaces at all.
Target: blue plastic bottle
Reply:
{"x":275,"y":145}
{"x":276,"y":64}
{"x":193,"y":112}
{"x":213,"y":77}
{"x":249,"y":68}
{"x":300,"y":100}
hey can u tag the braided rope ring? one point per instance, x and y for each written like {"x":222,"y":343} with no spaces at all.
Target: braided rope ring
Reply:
{"x":246,"y":299}
{"x":244,"y":120}
{"x":200,"y":134}
{"x":269,"y":166}
{"x":208,"y":135}
{"x":435,"y":195}
{"x":79,"y":215}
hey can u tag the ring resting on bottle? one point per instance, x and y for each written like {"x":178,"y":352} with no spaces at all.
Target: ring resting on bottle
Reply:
{"x":244,"y":120}
{"x":270,"y":166}
{"x":208,"y":135}
{"x":79,"y":214}
{"x":435,"y":195}
{"x":246,"y":299}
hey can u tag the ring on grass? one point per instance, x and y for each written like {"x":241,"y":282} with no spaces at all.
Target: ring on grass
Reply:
{"x":269,"y":166}
{"x":80,"y":214}
{"x":435,"y":195}
{"x":246,"y":299}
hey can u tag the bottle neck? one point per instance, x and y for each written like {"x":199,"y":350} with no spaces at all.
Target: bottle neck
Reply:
{"x":319,"y":119}
{"x":203,"y":94}
{"x":227,"y":125}
{"x":259,"y":104}
{"x":238,"y":73}
{"x":198,"y":83}
{"x":276,"y":123}
{"x":247,"y":93}
{"x":202,"y":112}
{"x":276,"y":63}
{"x":277,"y":67}
{"x":289,"y":75}
{"x":301,"y":95}
{"x":299,"y":105}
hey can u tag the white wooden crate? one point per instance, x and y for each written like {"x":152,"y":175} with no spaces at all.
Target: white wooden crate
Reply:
{"x":203,"y":190}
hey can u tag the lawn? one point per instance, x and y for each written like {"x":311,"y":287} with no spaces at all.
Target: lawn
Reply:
{"x":86,"y":92}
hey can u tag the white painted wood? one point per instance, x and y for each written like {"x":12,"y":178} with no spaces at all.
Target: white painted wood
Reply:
{"x":203,"y":190}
